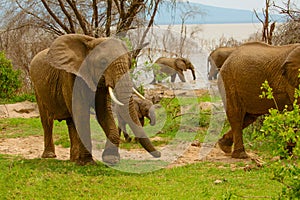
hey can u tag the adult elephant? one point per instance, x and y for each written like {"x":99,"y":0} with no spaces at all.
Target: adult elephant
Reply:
{"x":240,"y":82}
{"x":78,"y":72}
{"x":172,"y":67}
{"x":144,"y":108}
{"x":216,"y":59}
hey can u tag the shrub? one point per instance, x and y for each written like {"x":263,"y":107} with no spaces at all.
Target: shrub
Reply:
{"x":282,"y":127}
{"x":287,"y":33}
{"x":9,"y":78}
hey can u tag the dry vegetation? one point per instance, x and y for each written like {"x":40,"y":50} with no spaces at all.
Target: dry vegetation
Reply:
{"x":31,"y":26}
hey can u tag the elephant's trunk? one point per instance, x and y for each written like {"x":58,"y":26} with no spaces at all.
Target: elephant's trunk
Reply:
{"x":152,"y":116}
{"x":123,"y":91}
{"x":193,"y":73}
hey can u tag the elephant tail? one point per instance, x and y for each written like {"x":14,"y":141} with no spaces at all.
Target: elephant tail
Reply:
{"x":208,"y":74}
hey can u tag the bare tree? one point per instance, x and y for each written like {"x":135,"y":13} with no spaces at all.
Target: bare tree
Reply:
{"x":267,"y":30}
{"x":288,"y":33}
{"x":290,"y":9}
{"x":93,"y":17}
{"x":187,"y":13}
{"x":31,"y":25}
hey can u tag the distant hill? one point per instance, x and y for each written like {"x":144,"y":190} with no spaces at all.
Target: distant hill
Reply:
{"x":211,"y":15}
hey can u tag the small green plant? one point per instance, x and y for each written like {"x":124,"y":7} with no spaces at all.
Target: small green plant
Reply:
{"x":9,"y":78}
{"x":283,"y":128}
{"x":159,"y":76}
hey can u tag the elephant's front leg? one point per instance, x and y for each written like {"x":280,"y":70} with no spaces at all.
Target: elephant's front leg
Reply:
{"x":105,"y":118}
{"x":181,"y":76}
{"x":80,"y":137}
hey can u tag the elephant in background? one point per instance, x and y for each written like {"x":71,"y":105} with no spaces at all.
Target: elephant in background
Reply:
{"x":78,"y":72}
{"x":172,"y":67}
{"x":144,"y":108}
{"x":240,"y":81}
{"x":216,"y":59}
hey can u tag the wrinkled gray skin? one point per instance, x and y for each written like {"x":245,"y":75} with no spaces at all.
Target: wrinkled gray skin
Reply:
{"x":173,"y":67}
{"x":69,"y":77}
{"x":144,"y":108}
{"x":240,"y":81}
{"x":216,"y":59}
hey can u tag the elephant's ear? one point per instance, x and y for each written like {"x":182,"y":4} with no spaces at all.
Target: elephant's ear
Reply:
{"x":67,"y":52}
{"x":291,"y":67}
{"x":179,"y":62}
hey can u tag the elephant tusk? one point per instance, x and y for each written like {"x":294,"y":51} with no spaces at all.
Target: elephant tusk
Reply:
{"x":138,"y":94}
{"x":113,"y":97}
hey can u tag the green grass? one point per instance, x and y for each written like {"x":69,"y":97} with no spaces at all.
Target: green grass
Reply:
{"x":54,"y":179}
{"x":20,"y":127}
{"x":180,"y":120}
{"x":19,"y":98}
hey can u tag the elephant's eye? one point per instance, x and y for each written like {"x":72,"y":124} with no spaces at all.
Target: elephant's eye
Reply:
{"x":103,"y":62}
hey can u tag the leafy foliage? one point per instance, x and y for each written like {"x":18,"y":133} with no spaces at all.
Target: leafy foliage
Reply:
{"x":9,"y":78}
{"x":282,"y":128}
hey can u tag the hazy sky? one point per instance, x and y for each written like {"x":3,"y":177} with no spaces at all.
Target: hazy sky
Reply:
{"x":239,"y":4}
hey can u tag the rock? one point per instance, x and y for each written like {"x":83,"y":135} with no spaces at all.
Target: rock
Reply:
{"x":218,"y":181}
{"x":206,"y":106}
{"x":196,"y":143}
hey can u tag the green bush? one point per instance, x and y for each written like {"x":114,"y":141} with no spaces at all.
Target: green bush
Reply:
{"x":9,"y":78}
{"x":282,"y":129}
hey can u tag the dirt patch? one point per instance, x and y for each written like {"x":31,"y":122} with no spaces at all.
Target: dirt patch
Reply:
{"x":32,"y":147}
{"x":29,"y":147}
{"x":182,"y":154}
{"x":24,"y":109}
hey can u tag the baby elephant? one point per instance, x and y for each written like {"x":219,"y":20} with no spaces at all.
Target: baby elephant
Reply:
{"x":144,"y":108}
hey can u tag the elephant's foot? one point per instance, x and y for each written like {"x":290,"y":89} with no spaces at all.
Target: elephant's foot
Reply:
{"x":153,"y":82}
{"x":48,"y":154}
{"x":155,"y":154}
{"x":225,"y":145}
{"x":241,"y":154}
{"x":85,"y":161}
{"x":111,"y":156}
{"x":74,"y":155}
{"x":128,"y":139}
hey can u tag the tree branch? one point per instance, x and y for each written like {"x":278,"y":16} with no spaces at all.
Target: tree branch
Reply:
{"x":108,"y":18}
{"x":69,"y":17}
{"x":56,"y":19}
{"x":79,"y":17}
{"x":150,"y":24}
{"x":44,"y":23}
{"x":95,"y":18}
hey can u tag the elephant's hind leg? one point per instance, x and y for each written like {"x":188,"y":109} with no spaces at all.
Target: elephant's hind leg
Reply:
{"x":47,"y":123}
{"x":225,"y":143}
{"x":239,"y":149}
{"x":80,"y":153}
{"x":173,"y":77}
